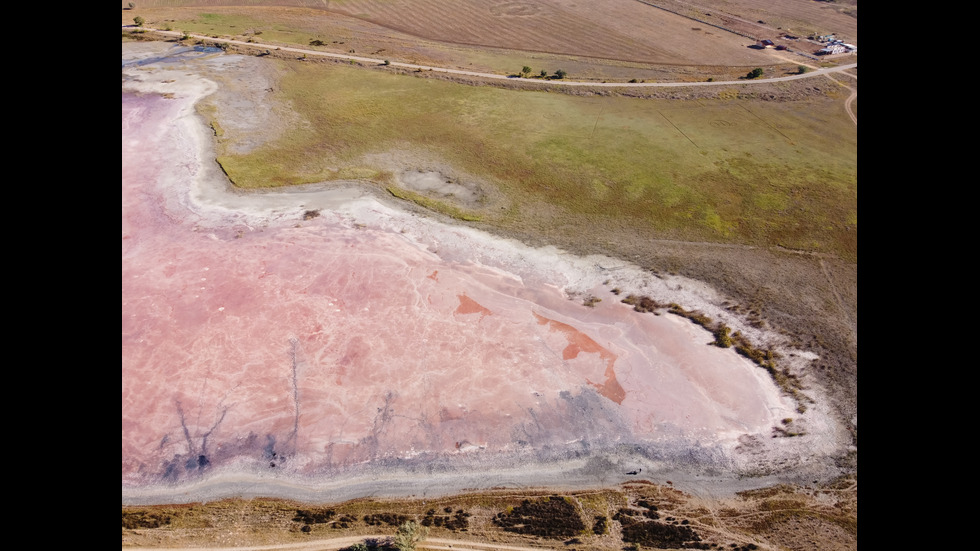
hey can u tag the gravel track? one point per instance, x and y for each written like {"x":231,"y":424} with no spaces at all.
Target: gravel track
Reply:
{"x":569,"y":83}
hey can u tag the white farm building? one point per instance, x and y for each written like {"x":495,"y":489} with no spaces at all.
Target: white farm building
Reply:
{"x":837,"y":47}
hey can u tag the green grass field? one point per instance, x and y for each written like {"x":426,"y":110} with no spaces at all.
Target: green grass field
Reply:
{"x":740,"y":171}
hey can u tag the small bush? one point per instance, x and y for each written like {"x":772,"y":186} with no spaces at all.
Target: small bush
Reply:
{"x":600,"y":526}
{"x":409,"y":535}
{"x":722,"y":337}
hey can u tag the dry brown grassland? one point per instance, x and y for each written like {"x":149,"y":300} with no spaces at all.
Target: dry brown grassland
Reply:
{"x":781,"y":517}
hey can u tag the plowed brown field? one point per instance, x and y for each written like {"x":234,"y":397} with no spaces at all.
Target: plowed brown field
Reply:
{"x":610,"y":29}
{"x":621,"y":30}
{"x":800,"y":17}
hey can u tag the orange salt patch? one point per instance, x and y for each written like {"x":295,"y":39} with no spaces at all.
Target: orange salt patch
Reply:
{"x":434,"y":275}
{"x":470,"y":306}
{"x":610,"y":388}
{"x":580,"y":342}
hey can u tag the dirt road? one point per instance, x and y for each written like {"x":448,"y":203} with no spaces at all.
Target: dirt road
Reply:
{"x":331,"y":544}
{"x":399,"y":65}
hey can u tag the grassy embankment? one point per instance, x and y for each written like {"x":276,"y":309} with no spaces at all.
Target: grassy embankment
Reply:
{"x":725,"y":170}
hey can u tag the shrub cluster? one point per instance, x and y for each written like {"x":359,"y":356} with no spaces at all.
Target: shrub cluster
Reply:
{"x":553,"y":517}
{"x":662,"y":536}
{"x":458,"y":522}
{"x":373,"y":544}
{"x":314,"y":516}
{"x":724,"y":338}
{"x":648,"y":532}
{"x":600,"y":526}
{"x":647,"y":304}
{"x":345,"y":521}
{"x":143,"y":519}
{"x":695,"y":316}
{"x":390,"y":519}
{"x":642,"y":304}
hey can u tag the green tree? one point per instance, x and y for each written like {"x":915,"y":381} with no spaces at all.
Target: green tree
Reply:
{"x":544,"y":73}
{"x":525,"y":71}
{"x":560,"y":74}
{"x":132,"y":5}
{"x":139,"y":21}
{"x":754,"y":73}
{"x":802,"y":69}
{"x":409,"y":535}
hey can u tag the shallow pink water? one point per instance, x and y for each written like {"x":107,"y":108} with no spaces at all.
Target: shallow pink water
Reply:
{"x":318,"y":343}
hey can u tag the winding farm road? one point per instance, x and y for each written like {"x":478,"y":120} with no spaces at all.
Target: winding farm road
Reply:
{"x":375,"y":61}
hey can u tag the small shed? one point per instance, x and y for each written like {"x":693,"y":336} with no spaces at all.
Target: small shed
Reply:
{"x":766,"y":43}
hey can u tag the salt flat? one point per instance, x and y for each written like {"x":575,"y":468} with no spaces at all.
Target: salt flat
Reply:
{"x":322,"y":339}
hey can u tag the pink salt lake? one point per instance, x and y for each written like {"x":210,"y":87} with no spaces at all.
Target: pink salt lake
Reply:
{"x":254,"y":338}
